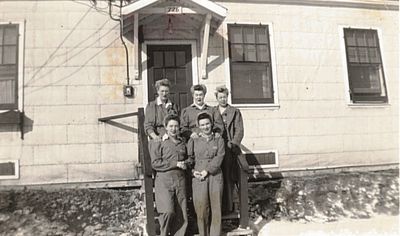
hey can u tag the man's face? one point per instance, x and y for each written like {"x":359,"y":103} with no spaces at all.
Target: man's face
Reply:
{"x":172,"y":128}
{"x":205,"y":126}
{"x":198,"y":97}
{"x":163,"y":92}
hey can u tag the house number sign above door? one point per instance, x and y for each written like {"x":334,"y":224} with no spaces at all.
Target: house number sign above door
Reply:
{"x":173,"y":10}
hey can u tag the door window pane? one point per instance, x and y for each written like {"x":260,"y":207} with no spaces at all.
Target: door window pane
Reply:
{"x":169,"y":59}
{"x":180,"y":58}
{"x":158,"y":59}
{"x":170,"y":74}
{"x":181,"y":76}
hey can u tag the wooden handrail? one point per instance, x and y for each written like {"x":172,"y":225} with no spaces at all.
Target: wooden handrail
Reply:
{"x":148,"y":175}
{"x":243,"y":191}
{"x":242,"y":161}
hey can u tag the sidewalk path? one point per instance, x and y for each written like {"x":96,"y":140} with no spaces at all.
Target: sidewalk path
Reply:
{"x":380,"y":225}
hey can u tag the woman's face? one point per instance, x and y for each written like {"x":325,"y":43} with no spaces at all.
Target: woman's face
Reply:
{"x":172,"y":128}
{"x":205,"y":126}
{"x":163,"y":93}
{"x":198,"y":97}
{"x":222,"y":99}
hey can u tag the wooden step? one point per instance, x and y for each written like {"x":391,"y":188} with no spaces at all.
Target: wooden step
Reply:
{"x":240,"y":231}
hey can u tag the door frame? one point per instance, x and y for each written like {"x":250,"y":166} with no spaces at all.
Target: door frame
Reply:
{"x":195,"y":74}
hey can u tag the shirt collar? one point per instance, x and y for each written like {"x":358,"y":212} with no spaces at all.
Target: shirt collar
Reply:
{"x":208,"y":138}
{"x":200,"y":107}
{"x":167,"y":104}
{"x":166,"y":137}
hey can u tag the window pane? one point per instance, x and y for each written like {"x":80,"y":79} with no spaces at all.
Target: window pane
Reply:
{"x":251,"y":81}
{"x":8,"y":70}
{"x":235,"y":34}
{"x":360,"y":37}
{"x":169,"y":59}
{"x":237,"y":52}
{"x":170,"y":74}
{"x":10,"y":55}
{"x":7,"y":91}
{"x":365,"y":79}
{"x":158,"y":74}
{"x":250,"y":53}
{"x":363,"y":54}
{"x":371,"y":38}
{"x":181,"y":76}
{"x":158,"y":59}
{"x":180,"y":58}
{"x":352,"y":54}
{"x":1,"y":55}
{"x":374,"y":55}
{"x":350,"y":37}
{"x":261,"y":35}
{"x":10,"y":35}
{"x":262,"y":53}
{"x":249,"y":36}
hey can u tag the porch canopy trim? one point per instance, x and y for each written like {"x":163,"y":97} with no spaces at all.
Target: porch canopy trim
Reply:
{"x":214,"y":8}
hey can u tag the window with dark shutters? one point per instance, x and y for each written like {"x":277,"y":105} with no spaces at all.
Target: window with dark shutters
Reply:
{"x":250,"y":64}
{"x":8,"y":67}
{"x":364,"y":65}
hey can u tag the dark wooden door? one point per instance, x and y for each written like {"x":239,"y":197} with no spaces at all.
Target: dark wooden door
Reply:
{"x":173,"y":62}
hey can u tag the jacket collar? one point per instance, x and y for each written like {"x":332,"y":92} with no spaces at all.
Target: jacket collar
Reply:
{"x":159,"y":102}
{"x":199,"y":107}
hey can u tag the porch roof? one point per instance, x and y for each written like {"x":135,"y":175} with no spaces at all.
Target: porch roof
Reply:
{"x":211,"y":7}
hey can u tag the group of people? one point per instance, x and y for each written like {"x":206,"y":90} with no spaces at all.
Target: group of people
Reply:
{"x":199,"y":146}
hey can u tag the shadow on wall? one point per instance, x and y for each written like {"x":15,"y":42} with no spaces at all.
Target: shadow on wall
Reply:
{"x":12,"y":121}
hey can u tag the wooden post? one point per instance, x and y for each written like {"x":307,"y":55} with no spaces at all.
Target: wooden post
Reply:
{"x":136,"y":46}
{"x":243,"y":192}
{"x":204,"y":52}
{"x":147,"y":175}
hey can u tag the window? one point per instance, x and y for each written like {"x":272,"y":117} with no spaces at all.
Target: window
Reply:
{"x":9,"y":169}
{"x":364,"y":66}
{"x":250,"y":64}
{"x":8,"y":66}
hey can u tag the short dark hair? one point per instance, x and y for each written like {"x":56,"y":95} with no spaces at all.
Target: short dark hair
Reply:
{"x":198,"y":87}
{"x":204,"y":115}
{"x":162,"y":82}
{"x":170,"y":117}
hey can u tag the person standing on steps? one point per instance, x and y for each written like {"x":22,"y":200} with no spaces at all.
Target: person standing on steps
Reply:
{"x":207,"y":152}
{"x":157,"y":110}
{"x":189,"y":114}
{"x":168,"y":159}
{"x":233,"y":133}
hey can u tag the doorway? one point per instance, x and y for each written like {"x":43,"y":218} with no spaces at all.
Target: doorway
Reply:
{"x":173,"y":62}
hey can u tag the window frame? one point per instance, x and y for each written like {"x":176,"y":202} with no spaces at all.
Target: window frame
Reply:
{"x":20,"y":63}
{"x":365,"y":101}
{"x":16,"y":170}
{"x":227,"y":62}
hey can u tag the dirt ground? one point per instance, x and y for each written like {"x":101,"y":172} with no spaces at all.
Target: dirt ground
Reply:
{"x":312,"y":200}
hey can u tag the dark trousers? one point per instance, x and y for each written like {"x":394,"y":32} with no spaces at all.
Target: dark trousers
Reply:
{"x":207,"y":198}
{"x":170,"y":191}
